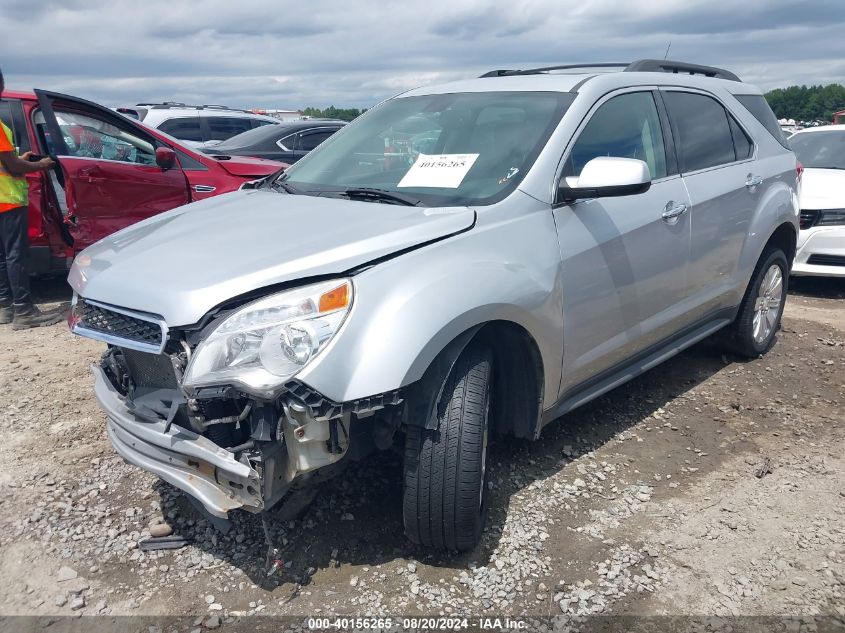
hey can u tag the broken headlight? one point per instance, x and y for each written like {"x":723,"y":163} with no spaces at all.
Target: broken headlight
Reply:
{"x":265,"y":343}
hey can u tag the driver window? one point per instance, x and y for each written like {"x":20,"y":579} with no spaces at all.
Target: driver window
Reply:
{"x":89,"y":137}
{"x":627,"y":126}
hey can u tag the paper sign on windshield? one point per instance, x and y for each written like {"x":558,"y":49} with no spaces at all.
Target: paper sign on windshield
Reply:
{"x":442,"y":170}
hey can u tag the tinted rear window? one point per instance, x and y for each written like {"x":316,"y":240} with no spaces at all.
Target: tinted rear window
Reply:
{"x":704,"y":134}
{"x":222,"y":128}
{"x":742,"y":144}
{"x":759,"y":107}
{"x":187,"y":129}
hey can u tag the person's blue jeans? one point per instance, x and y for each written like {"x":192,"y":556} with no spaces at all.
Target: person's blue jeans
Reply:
{"x":14,"y":244}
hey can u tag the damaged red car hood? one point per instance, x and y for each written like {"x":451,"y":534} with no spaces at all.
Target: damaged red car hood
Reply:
{"x":248,"y":166}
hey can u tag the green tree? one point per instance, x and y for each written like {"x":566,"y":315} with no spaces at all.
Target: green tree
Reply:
{"x":344,"y":114}
{"x":804,"y":103}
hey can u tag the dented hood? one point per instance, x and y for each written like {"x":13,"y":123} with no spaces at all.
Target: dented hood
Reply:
{"x":181,"y":264}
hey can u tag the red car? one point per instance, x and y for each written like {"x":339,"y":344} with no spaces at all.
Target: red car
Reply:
{"x":112,"y":172}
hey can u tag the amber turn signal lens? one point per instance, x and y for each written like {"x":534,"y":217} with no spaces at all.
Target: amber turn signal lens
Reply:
{"x":335,"y":299}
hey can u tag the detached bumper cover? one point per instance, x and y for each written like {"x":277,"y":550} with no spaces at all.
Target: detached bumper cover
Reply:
{"x":184,"y":459}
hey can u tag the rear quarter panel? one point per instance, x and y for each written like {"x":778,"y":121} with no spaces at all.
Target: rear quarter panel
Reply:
{"x":778,"y":200}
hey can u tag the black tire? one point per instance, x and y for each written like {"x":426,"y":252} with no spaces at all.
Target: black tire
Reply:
{"x":739,"y":335}
{"x":445,"y":490}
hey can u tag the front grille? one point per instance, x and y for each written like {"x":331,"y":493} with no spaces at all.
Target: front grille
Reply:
{"x":99,"y":319}
{"x":809,"y":218}
{"x":827,"y":260}
{"x":153,"y":371}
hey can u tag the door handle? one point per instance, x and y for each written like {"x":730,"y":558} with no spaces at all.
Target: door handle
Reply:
{"x":752,"y":181}
{"x":674,"y":210}
{"x":204,"y":188}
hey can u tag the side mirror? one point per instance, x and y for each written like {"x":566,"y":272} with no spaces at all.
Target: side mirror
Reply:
{"x":165,"y":158}
{"x":606,"y":177}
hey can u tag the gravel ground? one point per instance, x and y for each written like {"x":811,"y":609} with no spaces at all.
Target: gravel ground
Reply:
{"x":708,"y":486}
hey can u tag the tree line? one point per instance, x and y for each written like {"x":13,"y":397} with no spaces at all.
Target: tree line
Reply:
{"x":807,"y":103}
{"x":344,"y":114}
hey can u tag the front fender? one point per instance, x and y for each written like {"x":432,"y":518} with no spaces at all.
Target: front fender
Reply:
{"x":407,"y":309}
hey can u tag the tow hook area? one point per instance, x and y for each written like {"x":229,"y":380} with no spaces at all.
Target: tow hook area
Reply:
{"x":273,"y":563}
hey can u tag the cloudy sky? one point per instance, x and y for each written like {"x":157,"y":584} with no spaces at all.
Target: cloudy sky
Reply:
{"x":254,"y":53}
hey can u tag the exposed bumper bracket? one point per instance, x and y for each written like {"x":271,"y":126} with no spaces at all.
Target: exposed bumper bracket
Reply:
{"x":181,"y":457}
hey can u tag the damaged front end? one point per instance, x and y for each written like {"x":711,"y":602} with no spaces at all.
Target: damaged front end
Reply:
{"x":227,"y":445}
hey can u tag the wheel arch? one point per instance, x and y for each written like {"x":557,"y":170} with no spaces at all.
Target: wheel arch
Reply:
{"x":518,"y":379}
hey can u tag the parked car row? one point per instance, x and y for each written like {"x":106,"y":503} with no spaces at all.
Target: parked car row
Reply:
{"x":463,"y":262}
{"x":286,"y":142}
{"x":197,"y":126}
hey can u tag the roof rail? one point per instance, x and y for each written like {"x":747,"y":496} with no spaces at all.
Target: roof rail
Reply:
{"x":545,"y":69}
{"x":164,"y":105}
{"x":669,"y":66}
{"x":641,"y":65}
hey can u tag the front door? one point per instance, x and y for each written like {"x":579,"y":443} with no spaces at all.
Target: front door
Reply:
{"x":110,"y":178}
{"x":624,"y":260}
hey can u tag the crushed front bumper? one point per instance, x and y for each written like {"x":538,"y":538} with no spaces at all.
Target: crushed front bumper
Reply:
{"x":181,"y":457}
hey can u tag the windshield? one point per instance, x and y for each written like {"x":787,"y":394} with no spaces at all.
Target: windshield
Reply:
{"x":442,"y":150}
{"x":820,"y":150}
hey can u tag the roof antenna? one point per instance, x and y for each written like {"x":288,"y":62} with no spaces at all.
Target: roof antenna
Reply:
{"x":667,"y":50}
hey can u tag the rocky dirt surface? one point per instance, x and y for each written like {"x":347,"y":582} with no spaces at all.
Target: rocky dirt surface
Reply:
{"x":708,"y":486}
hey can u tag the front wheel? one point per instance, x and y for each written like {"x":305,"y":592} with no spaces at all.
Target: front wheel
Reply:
{"x":445,"y":489}
{"x":758,"y":320}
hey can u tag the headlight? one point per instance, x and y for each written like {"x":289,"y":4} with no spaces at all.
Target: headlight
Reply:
{"x":265,"y":343}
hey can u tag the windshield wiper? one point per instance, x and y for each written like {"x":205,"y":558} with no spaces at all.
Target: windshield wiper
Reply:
{"x":278,"y":183}
{"x":380,"y":195}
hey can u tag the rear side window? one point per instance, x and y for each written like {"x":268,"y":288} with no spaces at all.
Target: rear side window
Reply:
{"x":221,"y":128}
{"x":187,"y":129}
{"x":288,"y":142}
{"x":310,"y":140}
{"x":743,"y":147}
{"x":704,"y":136}
{"x":759,"y":107}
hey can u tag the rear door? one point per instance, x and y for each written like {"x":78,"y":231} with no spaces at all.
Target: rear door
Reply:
{"x":716,"y":160}
{"x":109,"y":173}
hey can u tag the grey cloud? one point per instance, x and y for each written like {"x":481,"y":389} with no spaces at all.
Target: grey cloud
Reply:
{"x":287,"y":54}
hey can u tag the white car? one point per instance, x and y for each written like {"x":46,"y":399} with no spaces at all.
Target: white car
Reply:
{"x":821,"y":241}
{"x":197,"y":126}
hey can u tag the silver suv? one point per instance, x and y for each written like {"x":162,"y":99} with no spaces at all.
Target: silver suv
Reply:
{"x":464,"y":261}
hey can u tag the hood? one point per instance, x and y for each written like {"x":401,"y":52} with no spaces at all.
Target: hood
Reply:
{"x":181,"y":264}
{"x":248,"y":166}
{"x":822,"y":189}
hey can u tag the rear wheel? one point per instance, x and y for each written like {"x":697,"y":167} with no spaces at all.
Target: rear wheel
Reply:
{"x":445,"y":470}
{"x":758,"y":320}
